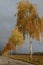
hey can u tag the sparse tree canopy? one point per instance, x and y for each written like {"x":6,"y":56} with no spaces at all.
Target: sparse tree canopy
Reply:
{"x":16,"y":37}
{"x":8,"y":46}
{"x":28,"y":21}
{"x":41,"y":24}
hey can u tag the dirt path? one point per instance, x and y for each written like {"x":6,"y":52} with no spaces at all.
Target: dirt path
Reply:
{"x":8,"y":61}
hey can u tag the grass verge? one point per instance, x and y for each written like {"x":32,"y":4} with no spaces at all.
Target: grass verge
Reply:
{"x":26,"y":58}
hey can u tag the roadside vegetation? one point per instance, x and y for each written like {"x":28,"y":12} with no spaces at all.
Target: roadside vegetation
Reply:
{"x":36,"y":59}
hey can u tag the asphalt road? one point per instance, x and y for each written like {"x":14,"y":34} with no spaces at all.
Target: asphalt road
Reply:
{"x":9,"y":61}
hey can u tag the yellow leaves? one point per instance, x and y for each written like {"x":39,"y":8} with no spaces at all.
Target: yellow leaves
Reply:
{"x":42,"y":28}
{"x":7,"y":48}
{"x":17,"y":37}
{"x":42,"y":24}
{"x":28,"y":20}
{"x":21,"y":5}
{"x":37,"y":34}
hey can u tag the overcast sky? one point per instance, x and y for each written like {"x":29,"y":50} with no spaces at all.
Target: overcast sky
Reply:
{"x":7,"y":22}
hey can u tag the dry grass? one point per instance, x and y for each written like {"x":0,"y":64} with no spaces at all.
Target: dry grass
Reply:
{"x":36,"y":59}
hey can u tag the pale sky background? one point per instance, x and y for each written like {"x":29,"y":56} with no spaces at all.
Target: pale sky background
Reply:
{"x":7,"y":22}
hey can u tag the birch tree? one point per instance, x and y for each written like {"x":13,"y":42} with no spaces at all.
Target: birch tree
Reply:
{"x":16,"y":38}
{"x":28,"y":21}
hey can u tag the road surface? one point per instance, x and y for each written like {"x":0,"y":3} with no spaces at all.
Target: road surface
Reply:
{"x":9,"y":61}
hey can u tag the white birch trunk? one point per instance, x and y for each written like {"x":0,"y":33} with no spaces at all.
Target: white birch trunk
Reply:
{"x":31,"y":48}
{"x":16,"y":49}
{"x":11,"y":52}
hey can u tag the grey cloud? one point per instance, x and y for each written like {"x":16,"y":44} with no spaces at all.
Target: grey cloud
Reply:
{"x":6,"y":26}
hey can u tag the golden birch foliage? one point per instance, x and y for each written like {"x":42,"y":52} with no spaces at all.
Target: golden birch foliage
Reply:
{"x":42,"y":27}
{"x":8,"y":46}
{"x":17,"y":37}
{"x":28,"y":21}
{"x":42,"y":24}
{"x":5,"y":49}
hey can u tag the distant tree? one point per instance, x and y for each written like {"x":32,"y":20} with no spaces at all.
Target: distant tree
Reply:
{"x":16,"y":38}
{"x":28,"y":21}
{"x":9,"y":46}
